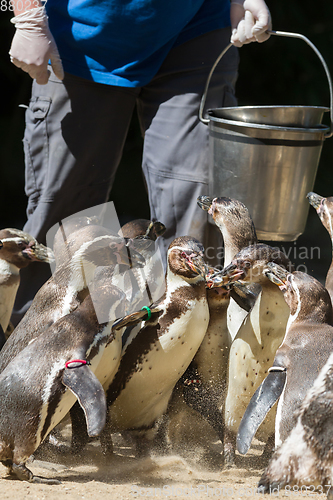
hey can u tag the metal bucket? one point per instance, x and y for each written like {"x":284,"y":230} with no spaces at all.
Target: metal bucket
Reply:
{"x":268,"y":163}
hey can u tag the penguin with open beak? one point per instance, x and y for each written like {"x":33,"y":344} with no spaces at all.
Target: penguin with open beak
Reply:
{"x":43,"y":381}
{"x":205,"y":380}
{"x":17,"y":250}
{"x":253,"y":349}
{"x":157,"y":355}
{"x":306,"y":346}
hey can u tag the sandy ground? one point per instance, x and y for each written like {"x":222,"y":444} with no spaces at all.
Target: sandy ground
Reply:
{"x":92,"y":476}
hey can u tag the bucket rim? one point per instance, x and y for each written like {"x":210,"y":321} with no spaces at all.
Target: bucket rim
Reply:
{"x":271,"y":106}
{"x":320,"y":129}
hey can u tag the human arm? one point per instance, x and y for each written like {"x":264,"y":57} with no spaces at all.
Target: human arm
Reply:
{"x":250,"y":20}
{"x":33,"y":44}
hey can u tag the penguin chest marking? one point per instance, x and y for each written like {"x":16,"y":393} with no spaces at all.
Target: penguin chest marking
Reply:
{"x":68,"y":399}
{"x":148,"y":390}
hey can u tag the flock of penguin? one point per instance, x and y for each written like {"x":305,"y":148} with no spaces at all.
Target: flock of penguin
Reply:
{"x":110,"y":339}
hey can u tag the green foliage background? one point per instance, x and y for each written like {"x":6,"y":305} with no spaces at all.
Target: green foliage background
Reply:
{"x":279,"y":71}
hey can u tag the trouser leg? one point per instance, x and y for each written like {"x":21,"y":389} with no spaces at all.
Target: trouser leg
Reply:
{"x":73,"y":142}
{"x":175,"y":156}
{"x":74,"y":137}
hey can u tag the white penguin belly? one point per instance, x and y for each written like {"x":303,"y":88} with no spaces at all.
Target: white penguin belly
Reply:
{"x":109,"y":362}
{"x":235,"y":317}
{"x":212,"y":356}
{"x":252,"y":354}
{"x":148,"y":391}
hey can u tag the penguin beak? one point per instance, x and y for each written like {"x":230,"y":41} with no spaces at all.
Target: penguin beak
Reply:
{"x":227,"y":276}
{"x":315,"y":200}
{"x":129,"y":257}
{"x":159,"y":228}
{"x":233,"y":273}
{"x":38,"y":252}
{"x":205,"y":202}
{"x":155,"y":229}
{"x":196,"y":263}
{"x":277,"y":275}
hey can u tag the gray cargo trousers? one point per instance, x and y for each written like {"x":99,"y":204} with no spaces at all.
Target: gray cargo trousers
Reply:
{"x":76,"y":130}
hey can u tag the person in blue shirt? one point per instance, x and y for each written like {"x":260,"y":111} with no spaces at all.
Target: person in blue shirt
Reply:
{"x":93,"y":62}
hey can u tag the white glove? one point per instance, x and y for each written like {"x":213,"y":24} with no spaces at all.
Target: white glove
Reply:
{"x":252,"y":26}
{"x":33,"y":46}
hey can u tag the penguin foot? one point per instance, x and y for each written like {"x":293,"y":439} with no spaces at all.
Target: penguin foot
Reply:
{"x":229,"y":457}
{"x":269,"y":449}
{"x":20,"y":471}
{"x":267,"y":487}
{"x":229,"y":447}
{"x":44,"y":480}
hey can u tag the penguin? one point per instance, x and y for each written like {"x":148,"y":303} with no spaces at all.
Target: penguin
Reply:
{"x":253,"y":349}
{"x":306,"y":346}
{"x":85,"y":249}
{"x":42,"y":382}
{"x":157,"y":356}
{"x":324,"y":209}
{"x":210,"y":364}
{"x":204,"y":382}
{"x":237,"y":228}
{"x":146,"y":284}
{"x":303,"y":462}
{"x":17,"y":250}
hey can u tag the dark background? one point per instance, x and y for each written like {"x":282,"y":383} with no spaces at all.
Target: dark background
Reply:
{"x":280,"y":71}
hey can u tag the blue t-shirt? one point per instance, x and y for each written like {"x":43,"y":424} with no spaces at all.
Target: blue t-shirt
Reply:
{"x":124,"y":42}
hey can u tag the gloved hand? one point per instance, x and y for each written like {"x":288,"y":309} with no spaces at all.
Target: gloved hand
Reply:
{"x":33,"y":46}
{"x":249,"y":21}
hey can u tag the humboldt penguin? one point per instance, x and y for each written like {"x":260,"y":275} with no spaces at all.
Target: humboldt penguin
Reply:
{"x":42,"y":382}
{"x":236,"y":225}
{"x":146,"y":284}
{"x":304,"y":460}
{"x":157,"y":356}
{"x":210,"y":364}
{"x":306,"y":346}
{"x":17,"y":250}
{"x":85,"y":249}
{"x":253,"y":349}
{"x":324,"y":208}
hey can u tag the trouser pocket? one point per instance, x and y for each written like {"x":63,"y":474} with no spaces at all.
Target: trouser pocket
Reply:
{"x":36,"y":145}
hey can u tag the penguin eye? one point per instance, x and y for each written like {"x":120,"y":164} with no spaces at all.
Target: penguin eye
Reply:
{"x":246,"y":264}
{"x":1,"y":244}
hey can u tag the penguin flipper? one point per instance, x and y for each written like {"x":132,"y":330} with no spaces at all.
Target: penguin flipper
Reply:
{"x":244,"y":295}
{"x":136,"y":317}
{"x":90,"y":394}
{"x":261,"y":402}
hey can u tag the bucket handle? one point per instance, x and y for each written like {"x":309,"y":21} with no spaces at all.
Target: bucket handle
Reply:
{"x":278,"y":33}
